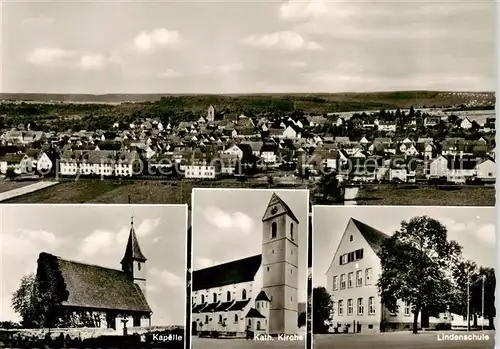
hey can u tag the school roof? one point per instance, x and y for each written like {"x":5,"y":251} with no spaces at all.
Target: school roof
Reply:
{"x":373,"y":236}
{"x":92,"y":286}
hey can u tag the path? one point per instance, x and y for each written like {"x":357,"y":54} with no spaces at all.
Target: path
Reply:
{"x":30,"y":188}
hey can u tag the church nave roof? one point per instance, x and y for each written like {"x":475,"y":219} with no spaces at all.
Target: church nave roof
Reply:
{"x":239,"y":305}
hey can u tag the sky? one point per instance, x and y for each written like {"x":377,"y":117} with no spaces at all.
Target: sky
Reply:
{"x":239,"y":46}
{"x":227,"y":225}
{"x":97,"y":234}
{"x":472,"y":227}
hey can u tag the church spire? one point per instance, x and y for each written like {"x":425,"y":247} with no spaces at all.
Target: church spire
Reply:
{"x":133,"y":250}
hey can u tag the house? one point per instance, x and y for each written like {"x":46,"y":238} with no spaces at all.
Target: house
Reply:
{"x":44,"y":163}
{"x":268,"y":153}
{"x":431,"y":121}
{"x":403,"y":169}
{"x":211,"y":113}
{"x":291,"y":132}
{"x":486,"y":170}
{"x":255,"y":292}
{"x":461,"y":168}
{"x":466,"y":123}
{"x":352,"y":281}
{"x":20,"y":163}
{"x":107,"y":296}
{"x":438,"y":168}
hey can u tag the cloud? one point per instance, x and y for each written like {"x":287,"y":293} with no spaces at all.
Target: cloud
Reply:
{"x":104,"y":242}
{"x":223,"y":68}
{"x":284,"y":40}
{"x":295,"y":64}
{"x":487,"y":233}
{"x":201,"y":263}
{"x":170,"y":73}
{"x":39,"y":20}
{"x":58,"y":57}
{"x":147,"y":42}
{"x":32,"y":242}
{"x":166,"y":277}
{"x":237,"y":222}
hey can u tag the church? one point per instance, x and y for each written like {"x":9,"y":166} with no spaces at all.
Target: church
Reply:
{"x":98,"y":296}
{"x":256,"y":293}
{"x":352,"y":281}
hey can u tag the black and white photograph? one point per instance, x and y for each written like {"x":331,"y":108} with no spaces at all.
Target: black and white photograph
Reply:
{"x":93,"y":276}
{"x":249,"y":257}
{"x":137,"y":102}
{"x":416,"y":277}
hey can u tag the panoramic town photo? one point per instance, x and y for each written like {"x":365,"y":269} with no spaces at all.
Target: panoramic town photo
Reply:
{"x":93,"y":276}
{"x":419,"y":277}
{"x":340,"y":98}
{"x":249,"y":258}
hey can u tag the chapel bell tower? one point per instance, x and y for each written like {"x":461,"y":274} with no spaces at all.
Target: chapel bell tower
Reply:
{"x":280,"y":265}
{"x":134,"y":262}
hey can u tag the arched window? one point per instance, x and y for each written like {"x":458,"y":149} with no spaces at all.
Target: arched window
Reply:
{"x":350,"y":238}
{"x":215,"y":297}
{"x":274,"y":230}
{"x":203,"y":298}
{"x":244,"y":294}
{"x":228,"y":296}
{"x":235,"y":318}
{"x":258,"y":325}
{"x":291,"y":231}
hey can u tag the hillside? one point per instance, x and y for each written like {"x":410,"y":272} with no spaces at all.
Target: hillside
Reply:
{"x":335,"y":102}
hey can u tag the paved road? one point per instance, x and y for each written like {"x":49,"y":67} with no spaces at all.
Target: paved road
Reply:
{"x":26,"y":190}
{"x":399,"y":340}
{"x":209,"y":343}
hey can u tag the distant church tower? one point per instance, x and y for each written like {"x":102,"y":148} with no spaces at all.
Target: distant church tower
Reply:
{"x":280,"y":265}
{"x":134,"y":262}
{"x":211,"y":113}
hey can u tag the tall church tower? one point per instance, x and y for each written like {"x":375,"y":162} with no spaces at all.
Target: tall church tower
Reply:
{"x":211,"y":113}
{"x":134,"y":262}
{"x":280,"y":265}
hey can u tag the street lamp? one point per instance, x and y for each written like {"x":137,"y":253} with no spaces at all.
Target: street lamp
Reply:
{"x":482,"y":305}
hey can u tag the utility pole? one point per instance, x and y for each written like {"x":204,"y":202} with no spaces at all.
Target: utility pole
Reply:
{"x":482,"y":306}
{"x":468,"y":300}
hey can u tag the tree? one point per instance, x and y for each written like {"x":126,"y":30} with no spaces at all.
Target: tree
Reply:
{"x":322,"y":310}
{"x":329,"y":187}
{"x":416,"y":268}
{"x":10,"y":173}
{"x":24,"y":302}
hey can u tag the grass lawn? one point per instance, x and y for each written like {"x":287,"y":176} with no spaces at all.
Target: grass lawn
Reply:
{"x":385,"y":195}
{"x":7,"y":185}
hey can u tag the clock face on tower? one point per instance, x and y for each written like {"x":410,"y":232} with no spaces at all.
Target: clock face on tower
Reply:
{"x":274,"y":210}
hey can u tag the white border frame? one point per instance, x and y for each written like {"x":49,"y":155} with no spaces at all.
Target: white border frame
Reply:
{"x":272,"y":190}
{"x":186,"y":210}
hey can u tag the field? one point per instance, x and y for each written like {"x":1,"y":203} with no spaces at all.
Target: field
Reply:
{"x":124,"y":192}
{"x":407,"y":195}
{"x":397,"y":340}
{"x":179,"y":192}
{"x":6,"y":185}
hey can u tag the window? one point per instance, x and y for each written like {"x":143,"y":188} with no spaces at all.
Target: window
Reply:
{"x":341,"y":307}
{"x":220,"y":319}
{"x":139,"y":266}
{"x":349,"y":279}
{"x":361,"y":307}
{"x":235,"y":318}
{"x":203,"y":298}
{"x":343,"y":259}
{"x":249,"y":322}
{"x":258,"y":325}
{"x":350,"y":238}
{"x":359,"y":278}
{"x":368,"y":276}
{"x":244,"y":294}
{"x":342,"y":282}
{"x":274,"y":230}
{"x":350,"y":257}
{"x":358,"y":254}
{"x":371,"y":305}
{"x":335,"y":282}
{"x":228,"y":296}
{"x":407,"y":309}
{"x":291,"y":231}
{"x":214,"y":297}
{"x":206,"y":319}
{"x":349,"y":307}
